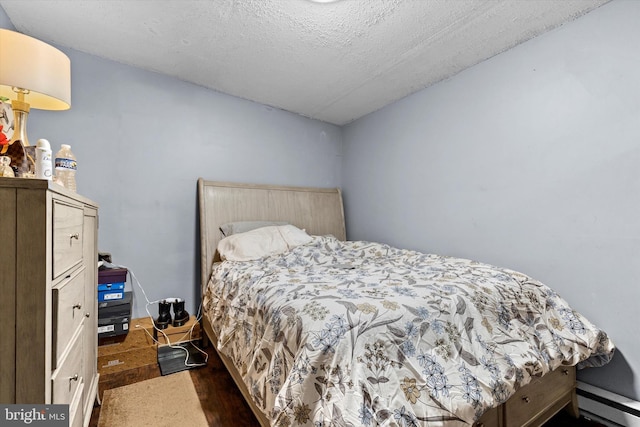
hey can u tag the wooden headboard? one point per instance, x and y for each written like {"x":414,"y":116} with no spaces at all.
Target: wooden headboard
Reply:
{"x":317,"y":210}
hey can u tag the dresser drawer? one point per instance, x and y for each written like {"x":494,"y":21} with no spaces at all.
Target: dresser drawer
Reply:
{"x":67,"y":236}
{"x":537,"y":397}
{"x":66,"y":380}
{"x":76,"y":417}
{"x":490,"y":418}
{"x":67,"y":312}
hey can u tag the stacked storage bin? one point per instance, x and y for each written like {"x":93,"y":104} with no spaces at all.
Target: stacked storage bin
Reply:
{"x":114,"y":304}
{"x":111,"y":284}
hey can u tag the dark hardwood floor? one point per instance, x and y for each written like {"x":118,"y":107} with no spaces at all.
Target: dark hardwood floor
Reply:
{"x":223,"y":403}
{"x":221,"y":400}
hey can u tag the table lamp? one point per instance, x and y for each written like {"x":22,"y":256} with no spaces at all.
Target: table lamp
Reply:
{"x":33,"y":74}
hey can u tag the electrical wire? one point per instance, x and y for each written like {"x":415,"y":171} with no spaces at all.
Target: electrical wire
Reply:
{"x":167,"y":340}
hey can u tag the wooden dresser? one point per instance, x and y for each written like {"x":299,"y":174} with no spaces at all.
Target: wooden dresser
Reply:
{"x":48,"y":277}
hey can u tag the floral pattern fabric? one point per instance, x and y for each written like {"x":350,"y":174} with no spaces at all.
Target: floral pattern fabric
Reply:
{"x":339,"y":333}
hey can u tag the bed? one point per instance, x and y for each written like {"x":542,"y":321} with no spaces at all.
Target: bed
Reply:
{"x":336,"y":333}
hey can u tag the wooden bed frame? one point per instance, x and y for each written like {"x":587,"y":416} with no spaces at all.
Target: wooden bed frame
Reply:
{"x":320,"y":211}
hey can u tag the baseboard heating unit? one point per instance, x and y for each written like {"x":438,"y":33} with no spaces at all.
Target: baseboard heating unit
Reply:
{"x":608,"y":408}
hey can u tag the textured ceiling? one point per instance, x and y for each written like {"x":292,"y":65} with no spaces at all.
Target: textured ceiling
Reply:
{"x":334,"y":62}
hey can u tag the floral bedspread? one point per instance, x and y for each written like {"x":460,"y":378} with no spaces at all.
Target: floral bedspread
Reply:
{"x":339,"y":333}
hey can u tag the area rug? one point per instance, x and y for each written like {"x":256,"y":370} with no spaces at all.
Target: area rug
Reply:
{"x":166,"y":401}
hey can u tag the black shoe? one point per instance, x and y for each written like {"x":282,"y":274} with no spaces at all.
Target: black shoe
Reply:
{"x":164,"y":317}
{"x":180,"y":315}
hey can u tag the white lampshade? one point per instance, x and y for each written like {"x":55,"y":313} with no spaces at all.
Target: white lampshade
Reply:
{"x":33,"y":65}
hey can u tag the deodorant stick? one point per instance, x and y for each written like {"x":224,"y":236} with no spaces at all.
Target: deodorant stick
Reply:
{"x":44,"y":167}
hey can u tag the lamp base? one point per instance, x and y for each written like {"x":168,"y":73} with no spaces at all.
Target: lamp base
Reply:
{"x":20,"y":114}
{"x":21,"y":153}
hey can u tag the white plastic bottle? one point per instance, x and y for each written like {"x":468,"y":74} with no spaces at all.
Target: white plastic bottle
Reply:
{"x":43,"y":160}
{"x":66,"y":168}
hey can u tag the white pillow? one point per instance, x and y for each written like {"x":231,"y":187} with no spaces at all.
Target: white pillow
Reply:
{"x":294,"y":236}
{"x":261,"y":242}
{"x":243,"y":226}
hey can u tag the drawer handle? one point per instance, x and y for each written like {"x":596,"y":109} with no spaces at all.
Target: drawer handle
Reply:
{"x":526,"y":399}
{"x":77,"y":305}
{"x":74,"y":236}
{"x":74,"y":378}
{"x":87,"y":314}
{"x":565,"y":371}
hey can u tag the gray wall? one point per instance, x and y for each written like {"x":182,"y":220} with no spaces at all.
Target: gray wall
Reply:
{"x":142,"y":140}
{"x":4,"y":20}
{"x":529,"y":161}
